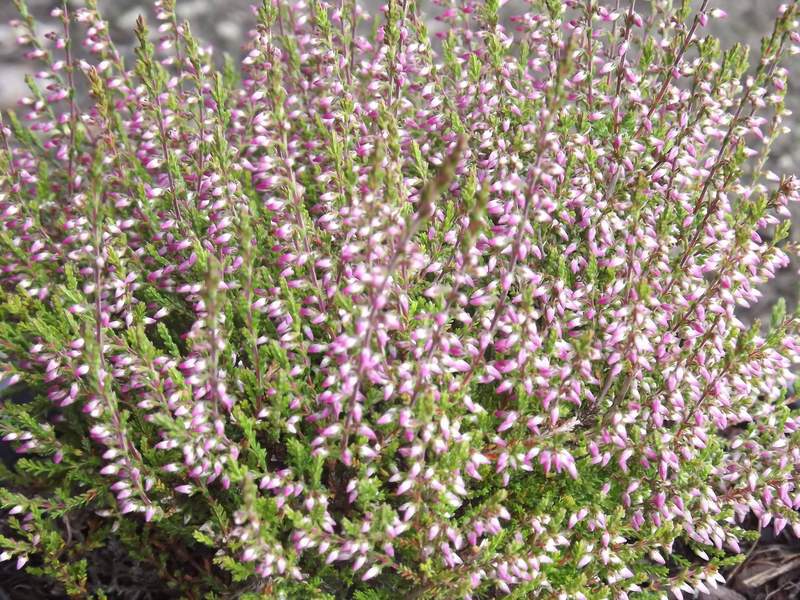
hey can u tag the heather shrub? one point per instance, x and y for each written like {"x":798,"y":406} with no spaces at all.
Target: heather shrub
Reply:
{"x":382,"y":314}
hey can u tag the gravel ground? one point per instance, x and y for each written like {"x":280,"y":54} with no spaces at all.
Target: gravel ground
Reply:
{"x":748,"y":21}
{"x":222,"y":23}
{"x":225,"y":24}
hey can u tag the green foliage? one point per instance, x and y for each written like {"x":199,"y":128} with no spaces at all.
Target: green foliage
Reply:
{"x":376,"y":315}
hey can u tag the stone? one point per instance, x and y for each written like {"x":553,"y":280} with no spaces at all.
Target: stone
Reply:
{"x":127,"y":20}
{"x":230,"y":31}
{"x":722,"y":593}
{"x":12,"y":84}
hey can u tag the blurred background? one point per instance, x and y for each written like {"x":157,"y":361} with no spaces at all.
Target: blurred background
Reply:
{"x":225,"y":24}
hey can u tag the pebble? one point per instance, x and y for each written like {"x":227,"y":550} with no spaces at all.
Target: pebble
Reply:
{"x":127,"y":20}
{"x":228,"y":30}
{"x":12,"y":83}
{"x":722,"y":593}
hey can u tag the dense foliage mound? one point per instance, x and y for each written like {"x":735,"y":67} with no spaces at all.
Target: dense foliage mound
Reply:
{"x":381,"y":314}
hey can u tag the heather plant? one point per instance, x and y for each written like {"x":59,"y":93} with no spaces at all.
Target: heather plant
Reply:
{"x":382,"y":314}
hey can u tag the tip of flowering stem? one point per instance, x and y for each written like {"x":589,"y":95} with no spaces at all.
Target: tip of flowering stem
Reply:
{"x":441,"y":182}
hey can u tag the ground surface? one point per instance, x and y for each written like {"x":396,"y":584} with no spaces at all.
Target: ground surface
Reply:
{"x":772,"y":570}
